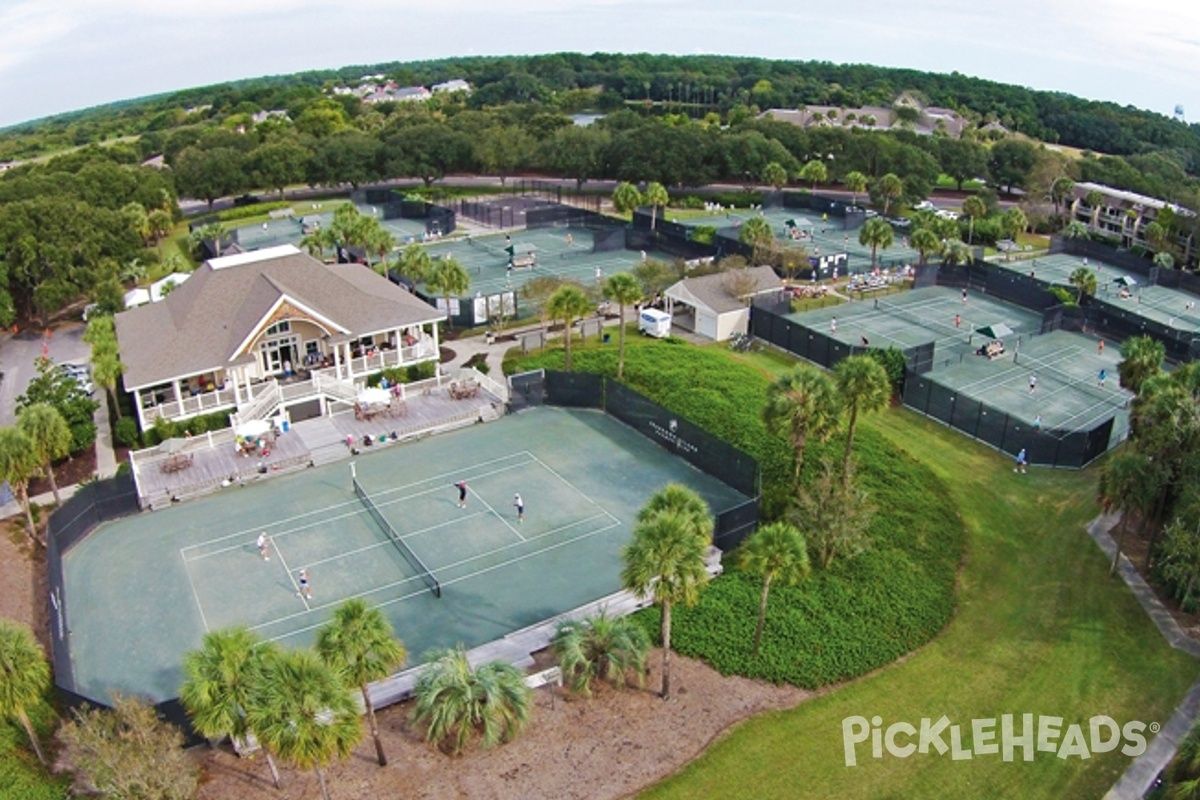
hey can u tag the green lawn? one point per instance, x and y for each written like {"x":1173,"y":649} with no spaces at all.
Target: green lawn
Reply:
{"x":1040,"y":628}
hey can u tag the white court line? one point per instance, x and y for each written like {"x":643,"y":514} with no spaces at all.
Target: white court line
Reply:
{"x":466,"y":577}
{"x":502,"y":519}
{"x":457,"y":472}
{"x":291,"y":578}
{"x":195,"y":594}
{"x":357,"y":512}
{"x":279,"y":523}
{"x":388,"y":541}
{"x":570,"y":485}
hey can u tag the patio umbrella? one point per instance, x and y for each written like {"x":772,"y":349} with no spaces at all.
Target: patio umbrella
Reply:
{"x":172,"y":446}
{"x":374,"y":397}
{"x":997,"y":330}
{"x":1124,"y":280}
{"x":253,"y":429}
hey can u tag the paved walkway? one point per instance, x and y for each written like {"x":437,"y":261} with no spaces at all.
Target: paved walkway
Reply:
{"x":1140,"y":776}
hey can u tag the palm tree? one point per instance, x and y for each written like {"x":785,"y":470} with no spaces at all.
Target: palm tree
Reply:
{"x":757,"y":233}
{"x":317,"y":241}
{"x":665,"y":561}
{"x":774,"y":175}
{"x":106,"y":372}
{"x":19,"y":463}
{"x":956,"y":252}
{"x":855,"y":183}
{"x":925,"y":241}
{"x":1130,"y":482}
{"x":415,"y":262}
{"x":864,"y":387}
{"x":1084,"y":281}
{"x":776,"y":552}
{"x":876,"y":233}
{"x":1060,"y":190}
{"x":218,"y":680}
{"x":974,"y":208}
{"x":800,"y":404}
{"x":1142,"y":360}
{"x":24,"y":677}
{"x":568,"y":303}
{"x":890,"y":188}
{"x":457,"y":701}
{"x":1094,"y":200}
{"x":299,"y":709}
{"x":160,"y":223}
{"x":359,"y":643}
{"x":624,"y":290}
{"x":1163,"y":260}
{"x":50,"y":437}
{"x":601,"y":647}
{"x":626,"y":197}
{"x":380,"y":242}
{"x":814,"y":172}
{"x":448,"y":278}
{"x":1013,"y":222}
{"x":656,"y":197}
{"x":1075,"y":230}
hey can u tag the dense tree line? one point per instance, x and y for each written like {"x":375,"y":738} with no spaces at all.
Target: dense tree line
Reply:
{"x":574,"y":81}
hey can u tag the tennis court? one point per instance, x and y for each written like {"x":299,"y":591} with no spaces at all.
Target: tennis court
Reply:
{"x":486,"y":259}
{"x":143,"y":590}
{"x":287,"y":231}
{"x":822,"y":236}
{"x":911,"y":318}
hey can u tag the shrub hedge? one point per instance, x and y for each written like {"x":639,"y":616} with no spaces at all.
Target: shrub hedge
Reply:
{"x":839,"y":623}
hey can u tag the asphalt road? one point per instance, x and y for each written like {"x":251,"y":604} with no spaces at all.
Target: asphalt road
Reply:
{"x":18,"y":354}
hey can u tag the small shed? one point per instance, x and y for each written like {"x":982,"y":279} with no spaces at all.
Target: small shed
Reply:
{"x":717,"y":306}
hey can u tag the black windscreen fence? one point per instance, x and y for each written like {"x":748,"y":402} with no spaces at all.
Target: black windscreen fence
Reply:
{"x":799,"y":339}
{"x":92,"y":504}
{"x":1003,"y":284}
{"x":575,"y":389}
{"x":1043,"y":446}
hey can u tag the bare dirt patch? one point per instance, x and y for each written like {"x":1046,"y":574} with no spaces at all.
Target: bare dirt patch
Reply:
{"x":606,"y":747}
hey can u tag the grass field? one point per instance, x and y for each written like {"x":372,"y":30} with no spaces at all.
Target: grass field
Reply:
{"x":1040,"y":628}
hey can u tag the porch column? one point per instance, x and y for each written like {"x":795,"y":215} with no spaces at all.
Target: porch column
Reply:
{"x":178,"y":394}
{"x":436,"y":347}
{"x":232,"y":375}
{"x":349,"y":361}
{"x":137,"y":403}
{"x":337,"y":361}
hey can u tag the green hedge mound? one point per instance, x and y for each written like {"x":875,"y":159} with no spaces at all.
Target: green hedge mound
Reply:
{"x":860,"y":614}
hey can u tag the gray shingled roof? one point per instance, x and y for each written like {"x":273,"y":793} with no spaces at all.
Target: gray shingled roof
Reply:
{"x":199,"y":326}
{"x":712,"y":291}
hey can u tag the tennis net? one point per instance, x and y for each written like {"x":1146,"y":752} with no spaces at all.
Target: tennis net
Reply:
{"x":412,"y":558}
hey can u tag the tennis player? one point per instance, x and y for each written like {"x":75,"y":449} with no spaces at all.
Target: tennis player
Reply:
{"x":305,"y":589}
{"x":462,"y":493}
{"x":264,"y":546}
{"x":519,"y":505}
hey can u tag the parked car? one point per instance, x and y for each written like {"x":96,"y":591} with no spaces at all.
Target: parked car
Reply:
{"x":81,"y":374}
{"x":944,"y":214}
{"x":903,"y":223}
{"x":924,"y":205}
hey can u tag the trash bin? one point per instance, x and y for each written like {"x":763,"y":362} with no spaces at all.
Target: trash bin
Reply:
{"x":286,"y":426}
{"x":607,"y":338}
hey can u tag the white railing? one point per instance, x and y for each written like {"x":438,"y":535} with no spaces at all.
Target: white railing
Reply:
{"x":260,"y":406}
{"x":331,"y":386}
{"x":152,"y":456}
{"x":491,"y":385}
{"x":202,"y":403}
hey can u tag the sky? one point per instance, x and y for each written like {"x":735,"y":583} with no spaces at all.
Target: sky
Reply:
{"x":64,"y":55}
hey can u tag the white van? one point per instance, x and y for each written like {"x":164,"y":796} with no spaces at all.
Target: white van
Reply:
{"x":653,"y":322}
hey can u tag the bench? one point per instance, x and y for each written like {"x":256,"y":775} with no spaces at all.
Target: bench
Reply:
{"x":994,"y":350}
{"x":523,"y":262}
{"x":464,"y":390}
{"x":553,"y":675}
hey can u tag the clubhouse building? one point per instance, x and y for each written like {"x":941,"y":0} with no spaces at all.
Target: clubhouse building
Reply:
{"x":267,"y":332}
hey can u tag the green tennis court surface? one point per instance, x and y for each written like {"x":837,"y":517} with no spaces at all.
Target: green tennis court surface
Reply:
{"x":486,"y":260}
{"x":824,"y":236}
{"x":143,"y":590}
{"x":276,"y":232}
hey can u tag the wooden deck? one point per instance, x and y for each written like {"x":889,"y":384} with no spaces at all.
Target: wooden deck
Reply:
{"x":215,"y":460}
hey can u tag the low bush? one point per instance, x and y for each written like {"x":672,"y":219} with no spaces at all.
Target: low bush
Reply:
{"x":125,"y":432}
